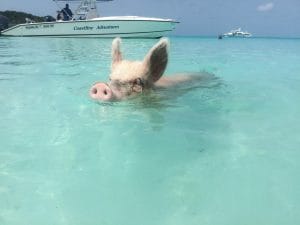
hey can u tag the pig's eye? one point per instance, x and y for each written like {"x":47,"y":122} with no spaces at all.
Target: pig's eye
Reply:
{"x":137,"y":85}
{"x":138,"y":81}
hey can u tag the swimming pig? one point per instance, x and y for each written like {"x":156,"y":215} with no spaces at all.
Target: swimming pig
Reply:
{"x":131,"y":78}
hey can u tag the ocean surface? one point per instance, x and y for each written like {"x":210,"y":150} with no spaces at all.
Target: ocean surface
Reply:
{"x":223,"y":153}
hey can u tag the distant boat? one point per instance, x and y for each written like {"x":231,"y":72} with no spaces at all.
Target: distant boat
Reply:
{"x":86,"y":23}
{"x":238,"y":33}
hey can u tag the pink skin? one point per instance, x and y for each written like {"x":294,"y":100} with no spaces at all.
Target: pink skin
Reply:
{"x":101,"y":91}
{"x":108,"y":92}
{"x":130,"y":78}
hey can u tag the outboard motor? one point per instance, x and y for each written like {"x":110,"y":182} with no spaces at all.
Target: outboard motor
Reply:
{"x":3,"y":22}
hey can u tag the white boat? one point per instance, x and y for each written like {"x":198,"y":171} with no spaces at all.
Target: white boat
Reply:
{"x":86,"y":23}
{"x":237,"y":33}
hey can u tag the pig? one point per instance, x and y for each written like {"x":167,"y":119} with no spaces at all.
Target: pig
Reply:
{"x":129,"y":79}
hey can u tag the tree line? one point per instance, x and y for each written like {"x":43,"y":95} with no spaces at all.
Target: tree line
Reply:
{"x":15,"y":17}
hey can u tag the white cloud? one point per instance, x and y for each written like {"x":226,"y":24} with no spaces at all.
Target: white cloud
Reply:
{"x":265,"y":7}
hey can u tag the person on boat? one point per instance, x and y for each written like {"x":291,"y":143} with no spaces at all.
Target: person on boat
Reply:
{"x":60,"y":16}
{"x":67,"y":12}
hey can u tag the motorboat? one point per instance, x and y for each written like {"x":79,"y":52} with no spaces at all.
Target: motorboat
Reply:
{"x":237,"y":33}
{"x":86,"y":22}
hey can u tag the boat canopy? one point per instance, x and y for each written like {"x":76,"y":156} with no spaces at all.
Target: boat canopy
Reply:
{"x":87,"y":9}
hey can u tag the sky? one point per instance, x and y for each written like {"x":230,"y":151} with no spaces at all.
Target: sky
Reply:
{"x":278,"y":18}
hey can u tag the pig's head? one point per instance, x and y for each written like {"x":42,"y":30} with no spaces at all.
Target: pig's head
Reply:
{"x":130,"y":78}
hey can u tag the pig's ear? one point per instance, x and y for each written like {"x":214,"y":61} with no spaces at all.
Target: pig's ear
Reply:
{"x":156,"y":60}
{"x":116,"y":52}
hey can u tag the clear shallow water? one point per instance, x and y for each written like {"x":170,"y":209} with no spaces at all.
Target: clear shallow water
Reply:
{"x":221,"y":154}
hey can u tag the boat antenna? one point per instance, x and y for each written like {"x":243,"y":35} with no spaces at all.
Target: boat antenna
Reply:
{"x":58,"y":6}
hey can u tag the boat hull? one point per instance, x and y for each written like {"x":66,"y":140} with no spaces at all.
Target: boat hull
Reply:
{"x":104,"y":27}
{"x":236,"y":36}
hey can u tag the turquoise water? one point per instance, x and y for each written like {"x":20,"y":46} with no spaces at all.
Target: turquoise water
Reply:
{"x":226,"y":154}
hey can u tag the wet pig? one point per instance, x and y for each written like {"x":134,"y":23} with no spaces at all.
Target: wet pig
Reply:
{"x":131,"y":78}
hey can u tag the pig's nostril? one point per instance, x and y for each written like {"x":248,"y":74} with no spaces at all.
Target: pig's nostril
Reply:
{"x":94,"y":90}
{"x":105,"y":92}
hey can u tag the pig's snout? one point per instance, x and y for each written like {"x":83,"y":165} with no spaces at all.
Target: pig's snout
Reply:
{"x":101,"y":91}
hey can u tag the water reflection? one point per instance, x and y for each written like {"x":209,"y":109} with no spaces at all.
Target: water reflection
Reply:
{"x":75,"y":49}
